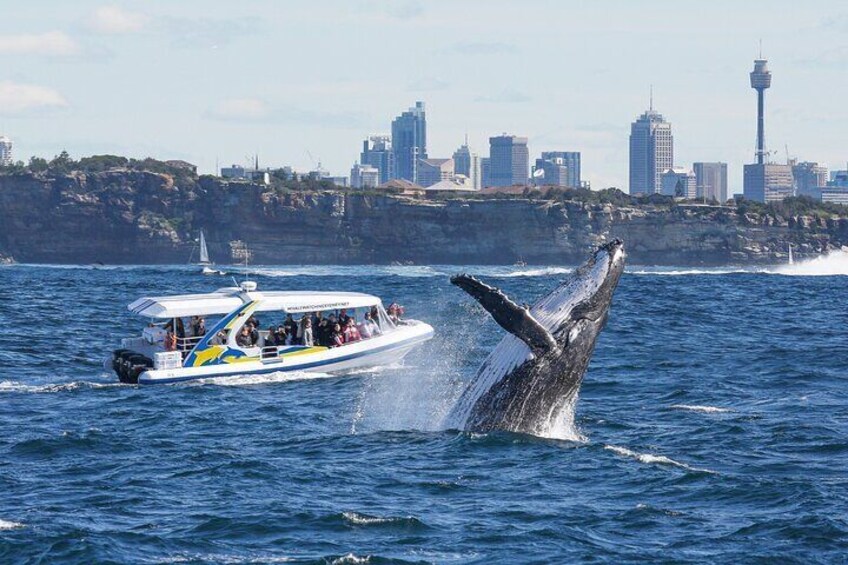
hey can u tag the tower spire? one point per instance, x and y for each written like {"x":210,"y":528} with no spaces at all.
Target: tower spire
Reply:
{"x":651,"y":102}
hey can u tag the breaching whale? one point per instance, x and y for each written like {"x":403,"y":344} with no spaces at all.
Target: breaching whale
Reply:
{"x":534,"y":374}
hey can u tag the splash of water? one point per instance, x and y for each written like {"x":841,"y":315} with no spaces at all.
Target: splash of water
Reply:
{"x":698,"y":408}
{"x":650,"y":459}
{"x":834,"y":263}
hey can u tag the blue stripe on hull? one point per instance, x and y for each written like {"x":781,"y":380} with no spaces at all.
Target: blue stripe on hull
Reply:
{"x":281,"y":369}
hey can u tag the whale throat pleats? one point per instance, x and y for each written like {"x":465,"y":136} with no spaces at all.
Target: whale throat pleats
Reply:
{"x":510,"y":316}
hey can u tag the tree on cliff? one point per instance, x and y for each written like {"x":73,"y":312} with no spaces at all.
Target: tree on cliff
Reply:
{"x":61,"y":164}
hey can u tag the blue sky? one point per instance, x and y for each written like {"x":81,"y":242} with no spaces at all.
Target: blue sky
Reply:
{"x":222,"y":80}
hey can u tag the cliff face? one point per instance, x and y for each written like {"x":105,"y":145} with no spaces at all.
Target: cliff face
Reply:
{"x":142,"y":217}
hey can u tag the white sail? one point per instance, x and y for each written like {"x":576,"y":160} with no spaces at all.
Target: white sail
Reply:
{"x":791,"y":258}
{"x":204,"y":253}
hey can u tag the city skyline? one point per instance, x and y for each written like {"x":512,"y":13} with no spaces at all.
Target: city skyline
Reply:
{"x":97,"y":78}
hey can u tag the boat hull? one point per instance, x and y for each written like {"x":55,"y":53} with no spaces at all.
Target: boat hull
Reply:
{"x":376,"y":351}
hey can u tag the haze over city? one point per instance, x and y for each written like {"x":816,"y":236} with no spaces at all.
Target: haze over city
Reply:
{"x":296,"y":83}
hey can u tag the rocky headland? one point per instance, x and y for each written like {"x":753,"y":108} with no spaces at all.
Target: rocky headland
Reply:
{"x":139,"y":216}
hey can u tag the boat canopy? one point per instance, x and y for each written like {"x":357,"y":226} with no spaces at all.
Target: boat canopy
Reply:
{"x":225,"y":300}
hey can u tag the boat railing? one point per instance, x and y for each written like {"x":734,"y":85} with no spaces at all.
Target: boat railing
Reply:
{"x":186,"y":344}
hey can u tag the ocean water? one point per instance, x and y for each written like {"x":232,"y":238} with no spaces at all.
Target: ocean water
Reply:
{"x":712,"y":427}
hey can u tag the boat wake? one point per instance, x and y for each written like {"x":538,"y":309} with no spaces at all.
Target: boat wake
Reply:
{"x":270,"y":378}
{"x":650,"y":459}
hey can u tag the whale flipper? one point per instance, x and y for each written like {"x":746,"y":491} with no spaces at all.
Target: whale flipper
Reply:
{"x":510,"y":316}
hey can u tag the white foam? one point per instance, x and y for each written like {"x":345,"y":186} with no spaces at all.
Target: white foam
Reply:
{"x":6,"y":525}
{"x":350,"y":558}
{"x":699,"y":408}
{"x":270,"y":378}
{"x":653,"y":459}
{"x":15,"y":386}
{"x":834,"y":263}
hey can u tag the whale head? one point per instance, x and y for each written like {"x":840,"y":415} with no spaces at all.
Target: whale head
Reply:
{"x":534,"y":374}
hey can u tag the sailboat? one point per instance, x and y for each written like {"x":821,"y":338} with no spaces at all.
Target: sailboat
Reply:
{"x":791,"y":257}
{"x":204,"y":261}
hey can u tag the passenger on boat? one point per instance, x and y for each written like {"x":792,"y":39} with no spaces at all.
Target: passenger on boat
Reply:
{"x":322,"y":332}
{"x":170,"y":342}
{"x":180,"y":328}
{"x":198,"y":326}
{"x":351,"y":332}
{"x":219,"y":339}
{"x":282,"y":336}
{"x":343,"y":317}
{"x":307,"y":333}
{"x":368,"y":327}
{"x":291,"y":328}
{"x":336,"y":336}
{"x":244,"y":339}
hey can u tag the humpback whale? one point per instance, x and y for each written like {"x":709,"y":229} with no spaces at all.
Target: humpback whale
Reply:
{"x":534,"y":374}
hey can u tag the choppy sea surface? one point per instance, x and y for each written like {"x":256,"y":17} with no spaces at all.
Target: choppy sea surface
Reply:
{"x":712,"y":426}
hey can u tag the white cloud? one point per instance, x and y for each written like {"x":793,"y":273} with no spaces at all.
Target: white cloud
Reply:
{"x":16,"y":98}
{"x":115,"y":20}
{"x":239,"y":109}
{"x":53,"y":43}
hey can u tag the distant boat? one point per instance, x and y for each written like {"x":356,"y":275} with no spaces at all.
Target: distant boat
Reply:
{"x":520,"y":262}
{"x":205,"y":263}
{"x":791,"y":257}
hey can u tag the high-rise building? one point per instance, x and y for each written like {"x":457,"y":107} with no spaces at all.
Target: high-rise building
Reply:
{"x":468,"y":164}
{"x":509,"y":160}
{"x":377,"y":152}
{"x":809,"y":178}
{"x":5,"y":151}
{"x":485,"y":172}
{"x":550,"y":172}
{"x":571,"y":161}
{"x":432,"y":171}
{"x":364,"y":176}
{"x":651,"y":151}
{"x":409,"y":142}
{"x":678,"y":182}
{"x":711,"y":181}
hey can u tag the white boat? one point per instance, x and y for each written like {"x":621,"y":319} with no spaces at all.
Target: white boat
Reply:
{"x":145,"y":359}
{"x":204,"y":262}
{"x":791,"y":257}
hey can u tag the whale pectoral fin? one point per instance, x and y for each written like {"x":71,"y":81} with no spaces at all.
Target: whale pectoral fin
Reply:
{"x":510,"y":316}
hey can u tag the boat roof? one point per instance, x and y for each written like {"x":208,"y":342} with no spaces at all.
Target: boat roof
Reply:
{"x":225,"y":300}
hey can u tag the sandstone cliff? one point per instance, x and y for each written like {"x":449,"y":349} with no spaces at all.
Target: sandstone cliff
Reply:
{"x":126,"y":216}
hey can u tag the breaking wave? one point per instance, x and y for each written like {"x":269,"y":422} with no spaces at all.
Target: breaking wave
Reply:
{"x":15,"y":386}
{"x":650,"y":459}
{"x":698,"y":408}
{"x":6,"y":525}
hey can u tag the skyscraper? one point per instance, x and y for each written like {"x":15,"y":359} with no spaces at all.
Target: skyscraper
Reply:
{"x":364,"y":176}
{"x":485,"y":172}
{"x":570,"y":160}
{"x":5,"y":151}
{"x":468,"y":164}
{"x":409,"y":142}
{"x":711,"y":181}
{"x":765,"y":182}
{"x":651,"y":151}
{"x":809,"y":178}
{"x":377,"y":152}
{"x":509,"y":160}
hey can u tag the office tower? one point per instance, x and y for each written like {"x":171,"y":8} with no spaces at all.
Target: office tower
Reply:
{"x":651,"y":151}
{"x":571,"y":161}
{"x":765,"y":182}
{"x":432,"y":171}
{"x":485,"y":172}
{"x":509,"y":160}
{"x":364,"y":176}
{"x":377,"y":152}
{"x":5,"y":151}
{"x":468,"y":164}
{"x":809,"y":178}
{"x":550,"y":172}
{"x":409,"y":142}
{"x":711,"y":181}
{"x":678,"y":182}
